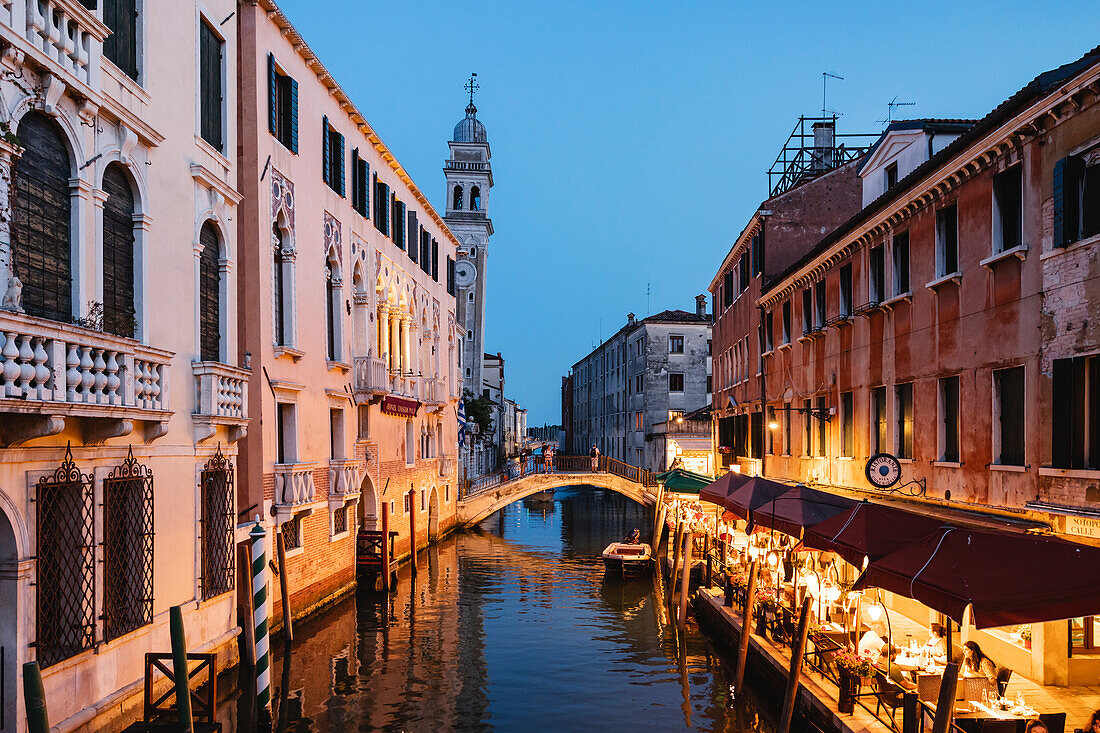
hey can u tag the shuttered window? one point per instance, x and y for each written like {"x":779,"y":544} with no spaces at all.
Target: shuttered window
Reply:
{"x":282,"y":106}
{"x":1075,"y":417}
{"x":846,"y":290}
{"x":879,"y":425}
{"x":332,"y":157}
{"x":949,"y":419}
{"x":209,"y":294}
{"x":807,"y":311}
{"x":1009,"y":395}
{"x":947,"y":240}
{"x":413,"y":234}
{"x":426,"y":252}
{"x":210,"y":86}
{"x":397,"y":236}
{"x":876,"y":289}
{"x":727,"y":286}
{"x":904,"y":411}
{"x":1076,"y":200}
{"x":901,"y":263}
{"x":1007,"y":207}
{"x":744,"y":272}
{"x":121,"y":46}
{"x":435,"y":260}
{"x":41,"y":219}
{"x":360,"y":184}
{"x":847,"y":424}
{"x":118,"y":252}
{"x":381,"y":206}
{"x":450,"y":275}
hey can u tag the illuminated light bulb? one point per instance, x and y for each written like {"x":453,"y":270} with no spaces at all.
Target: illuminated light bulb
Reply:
{"x":773,"y":559}
{"x":875,"y":612}
{"x":773,"y":425}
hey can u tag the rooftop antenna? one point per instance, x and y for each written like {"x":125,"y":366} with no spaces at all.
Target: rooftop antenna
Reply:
{"x":472,"y":85}
{"x":825,"y":76}
{"x":891,"y":106}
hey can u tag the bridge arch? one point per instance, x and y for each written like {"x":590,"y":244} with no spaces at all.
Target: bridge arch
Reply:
{"x":477,"y":507}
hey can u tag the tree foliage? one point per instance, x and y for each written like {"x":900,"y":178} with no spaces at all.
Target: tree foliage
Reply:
{"x":480,"y":411}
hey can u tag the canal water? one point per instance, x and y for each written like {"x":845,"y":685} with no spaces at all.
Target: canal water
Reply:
{"x":511,"y":626}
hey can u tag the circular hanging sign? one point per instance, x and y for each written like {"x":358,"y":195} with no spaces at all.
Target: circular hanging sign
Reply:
{"x":883,"y":470}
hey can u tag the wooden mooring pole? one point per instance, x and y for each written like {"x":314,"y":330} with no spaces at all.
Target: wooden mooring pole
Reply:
{"x":685,"y":578}
{"x":386,"y":546}
{"x":798,"y":654}
{"x":945,"y":705}
{"x":179,"y":670}
{"x":412,"y":528}
{"x":676,"y":547}
{"x":34,"y":699}
{"x":246,"y":614}
{"x":284,"y":586}
{"x":746,"y":628}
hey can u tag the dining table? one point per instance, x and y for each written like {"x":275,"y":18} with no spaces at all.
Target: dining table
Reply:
{"x":968,"y":715}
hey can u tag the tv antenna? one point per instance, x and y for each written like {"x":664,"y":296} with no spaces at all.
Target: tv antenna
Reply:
{"x":825,"y":76}
{"x":891,"y":106}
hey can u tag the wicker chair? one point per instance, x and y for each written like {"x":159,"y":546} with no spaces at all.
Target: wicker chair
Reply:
{"x":888,"y":695}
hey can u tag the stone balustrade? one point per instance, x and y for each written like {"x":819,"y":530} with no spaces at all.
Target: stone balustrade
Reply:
{"x":221,"y":399}
{"x":433,"y":391}
{"x":294,"y":484}
{"x":370,"y":376}
{"x":45,"y":361}
{"x":344,"y":476}
{"x":448,"y":466}
{"x":65,"y":31}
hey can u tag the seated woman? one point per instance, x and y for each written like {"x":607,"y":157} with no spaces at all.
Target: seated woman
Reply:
{"x":936,"y":646}
{"x":896,"y":675}
{"x":977,"y":664}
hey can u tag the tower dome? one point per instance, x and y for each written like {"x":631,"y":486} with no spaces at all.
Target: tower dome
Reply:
{"x":470,"y":129}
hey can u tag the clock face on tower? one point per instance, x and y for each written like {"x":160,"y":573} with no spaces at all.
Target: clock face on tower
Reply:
{"x":465,"y":273}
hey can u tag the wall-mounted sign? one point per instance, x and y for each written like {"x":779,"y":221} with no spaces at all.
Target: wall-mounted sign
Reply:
{"x":399,"y":407}
{"x":883,"y":470}
{"x":1083,"y":526}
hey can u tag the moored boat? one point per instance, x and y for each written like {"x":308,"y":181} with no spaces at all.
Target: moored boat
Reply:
{"x":627,"y":559}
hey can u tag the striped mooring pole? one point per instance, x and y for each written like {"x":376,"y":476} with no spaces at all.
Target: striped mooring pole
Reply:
{"x":259,"y":617}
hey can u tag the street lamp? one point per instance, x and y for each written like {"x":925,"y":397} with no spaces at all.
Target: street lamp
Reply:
{"x":875,"y":612}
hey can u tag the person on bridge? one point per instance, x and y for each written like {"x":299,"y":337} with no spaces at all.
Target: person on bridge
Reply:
{"x":548,"y":459}
{"x":594,"y":454}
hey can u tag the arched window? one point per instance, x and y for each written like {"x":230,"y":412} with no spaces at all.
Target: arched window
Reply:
{"x":457,"y":199}
{"x":475,"y":199}
{"x":279,"y":284}
{"x":41,"y":226}
{"x":118,"y":252}
{"x":332,"y":293}
{"x":210,"y":289}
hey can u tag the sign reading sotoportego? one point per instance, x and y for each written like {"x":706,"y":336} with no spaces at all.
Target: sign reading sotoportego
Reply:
{"x":399,"y":407}
{"x":1083,"y":526}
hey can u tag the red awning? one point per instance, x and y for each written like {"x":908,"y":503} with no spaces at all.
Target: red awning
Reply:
{"x":754,"y":493}
{"x":869,"y":530}
{"x":798,"y":508}
{"x":1006,"y":578}
{"x":717,"y":491}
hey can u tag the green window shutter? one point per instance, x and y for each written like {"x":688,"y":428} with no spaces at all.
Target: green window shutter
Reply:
{"x":293,"y":109}
{"x":272,"y":81}
{"x":410,"y":235}
{"x":1068,"y":174}
{"x":326,"y":151}
{"x":435,"y":260}
{"x":366,"y":188}
{"x":355,"y":179}
{"x":340,"y":180}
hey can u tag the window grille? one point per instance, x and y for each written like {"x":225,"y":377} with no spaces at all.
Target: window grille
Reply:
{"x":340,"y":520}
{"x":127,"y":548}
{"x":217,"y":526}
{"x":65,"y":590}
{"x":292,"y":534}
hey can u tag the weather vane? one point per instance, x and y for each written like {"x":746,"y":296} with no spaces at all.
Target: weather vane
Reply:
{"x":472,"y":86}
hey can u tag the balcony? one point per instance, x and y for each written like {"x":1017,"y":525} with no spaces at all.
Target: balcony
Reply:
{"x":222,"y":392}
{"x":344,"y":477}
{"x":64,"y":34}
{"x":370,"y":376}
{"x":433,"y":392}
{"x":448,"y":466}
{"x":294,"y":489}
{"x":51,"y":371}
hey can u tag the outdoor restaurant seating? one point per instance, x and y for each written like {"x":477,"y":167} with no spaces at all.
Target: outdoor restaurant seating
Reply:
{"x":887,"y":694}
{"x":1055,"y":722}
{"x":1004,"y":674}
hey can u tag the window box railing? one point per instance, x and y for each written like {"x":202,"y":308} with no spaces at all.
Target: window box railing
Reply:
{"x":78,"y":370}
{"x":344,"y":475}
{"x":294,"y":485}
{"x":222,"y":399}
{"x":370,"y":376}
{"x":433,"y":391}
{"x":66,"y":32}
{"x":867,"y":308}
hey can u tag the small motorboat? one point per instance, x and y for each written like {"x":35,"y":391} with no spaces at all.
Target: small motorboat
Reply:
{"x":628,"y":559}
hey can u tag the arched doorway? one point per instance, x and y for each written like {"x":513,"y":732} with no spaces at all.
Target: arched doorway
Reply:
{"x":9,"y":615}
{"x":433,"y":515}
{"x":368,"y":506}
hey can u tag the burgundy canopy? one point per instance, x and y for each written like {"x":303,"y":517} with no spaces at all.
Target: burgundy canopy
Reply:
{"x":1007,"y":578}
{"x":754,"y":493}
{"x":718,"y":491}
{"x":798,"y":508}
{"x":869,"y":530}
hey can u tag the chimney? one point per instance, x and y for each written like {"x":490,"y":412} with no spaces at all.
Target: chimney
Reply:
{"x":630,"y":319}
{"x":824,"y":144}
{"x":700,"y":305}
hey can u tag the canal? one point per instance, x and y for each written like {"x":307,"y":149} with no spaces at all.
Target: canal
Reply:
{"x":511,"y":626}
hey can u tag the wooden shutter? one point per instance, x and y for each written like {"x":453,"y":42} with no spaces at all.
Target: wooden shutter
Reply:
{"x":118,"y":253}
{"x":210,"y":85}
{"x":292,"y":113}
{"x":450,"y":275}
{"x":121,"y":46}
{"x":339,"y":161}
{"x":411,"y":235}
{"x":326,"y":152}
{"x":209,"y":295}
{"x":1068,"y":173}
{"x":41,"y":227}
{"x":426,"y":252}
{"x":272,"y":91}
{"x":364,"y":175}
{"x":355,"y":179}
{"x":435,"y":260}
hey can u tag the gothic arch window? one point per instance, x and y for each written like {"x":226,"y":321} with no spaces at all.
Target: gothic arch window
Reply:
{"x":475,"y":199}
{"x":118,"y":252}
{"x":210,"y":290}
{"x":457,"y":206}
{"x":282,"y":323}
{"x":332,"y":307}
{"x":41,"y":224}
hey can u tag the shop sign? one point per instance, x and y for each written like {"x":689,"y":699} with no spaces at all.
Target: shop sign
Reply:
{"x":399,"y":407}
{"x":1083,"y":526}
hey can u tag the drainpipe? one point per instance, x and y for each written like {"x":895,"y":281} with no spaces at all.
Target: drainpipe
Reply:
{"x":763,"y":396}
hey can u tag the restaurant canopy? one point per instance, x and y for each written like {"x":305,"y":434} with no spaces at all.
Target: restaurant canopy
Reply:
{"x":754,"y":493}
{"x":717,"y":491}
{"x":798,"y":508}
{"x":869,"y":530}
{"x":683,"y":481}
{"x":1007,"y":578}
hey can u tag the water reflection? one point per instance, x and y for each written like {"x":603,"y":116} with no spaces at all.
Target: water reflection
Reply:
{"x":512,"y":626}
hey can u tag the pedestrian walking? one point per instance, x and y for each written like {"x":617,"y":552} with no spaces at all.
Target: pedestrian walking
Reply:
{"x":547,"y":459}
{"x":594,"y":454}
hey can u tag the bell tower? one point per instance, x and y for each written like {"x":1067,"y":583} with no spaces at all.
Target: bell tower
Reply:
{"x":469,"y":179}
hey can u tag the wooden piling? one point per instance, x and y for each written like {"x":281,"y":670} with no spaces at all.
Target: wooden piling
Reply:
{"x":685,"y":577}
{"x":247,"y":612}
{"x":746,"y":628}
{"x":706,"y":554}
{"x":412,"y":528}
{"x":284,"y":587}
{"x":658,"y":514}
{"x":676,"y":537}
{"x":659,"y":533}
{"x":798,"y":654}
{"x":386,"y":546}
{"x":179,"y":670}
{"x":945,"y":705}
{"x":34,"y":699}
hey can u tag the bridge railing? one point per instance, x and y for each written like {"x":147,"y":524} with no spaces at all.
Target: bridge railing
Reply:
{"x":519,"y":468}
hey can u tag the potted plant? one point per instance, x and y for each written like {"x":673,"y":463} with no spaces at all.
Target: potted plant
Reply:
{"x":854,"y":670}
{"x":1025,"y":635}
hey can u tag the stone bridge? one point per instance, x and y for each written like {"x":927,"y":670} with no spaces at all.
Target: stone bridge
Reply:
{"x":492,"y":493}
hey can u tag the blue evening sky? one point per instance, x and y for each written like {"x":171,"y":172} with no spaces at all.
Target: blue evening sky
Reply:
{"x":630,"y":140}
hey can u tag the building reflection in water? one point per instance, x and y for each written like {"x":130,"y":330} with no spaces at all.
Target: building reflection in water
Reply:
{"x":511,"y":626}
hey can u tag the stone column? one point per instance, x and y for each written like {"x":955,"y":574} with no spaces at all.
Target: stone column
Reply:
{"x":406,"y":352}
{"x":11,"y":290}
{"x":384,"y":334}
{"x":395,"y":341}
